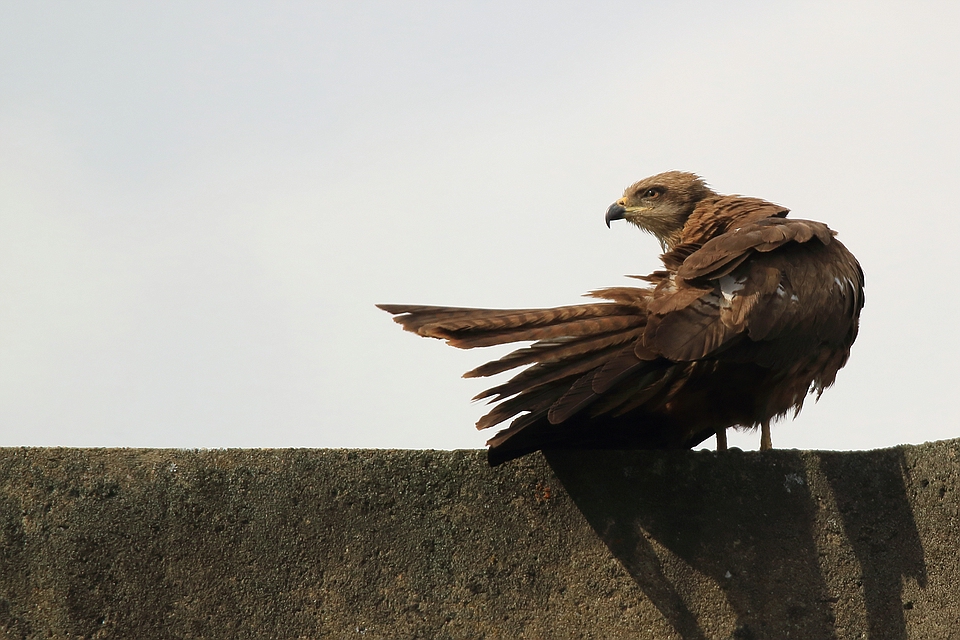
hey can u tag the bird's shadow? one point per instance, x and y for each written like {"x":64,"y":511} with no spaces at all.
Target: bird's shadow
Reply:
{"x":756,"y":525}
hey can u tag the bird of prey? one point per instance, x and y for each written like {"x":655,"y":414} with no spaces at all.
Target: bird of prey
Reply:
{"x":751,"y":312}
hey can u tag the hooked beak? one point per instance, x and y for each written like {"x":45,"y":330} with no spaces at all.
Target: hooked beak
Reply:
{"x":615,"y":212}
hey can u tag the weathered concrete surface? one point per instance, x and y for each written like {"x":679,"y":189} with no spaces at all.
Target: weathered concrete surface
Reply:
{"x":120,"y":543}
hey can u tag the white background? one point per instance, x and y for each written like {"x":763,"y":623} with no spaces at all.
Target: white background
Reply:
{"x":201,"y":203}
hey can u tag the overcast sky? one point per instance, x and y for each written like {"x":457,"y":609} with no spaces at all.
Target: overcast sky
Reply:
{"x":201,"y":203}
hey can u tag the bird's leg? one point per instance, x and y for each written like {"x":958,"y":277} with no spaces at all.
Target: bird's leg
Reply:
{"x":722,"y":439}
{"x":765,"y":441}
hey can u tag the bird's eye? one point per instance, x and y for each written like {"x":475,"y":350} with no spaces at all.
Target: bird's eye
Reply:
{"x":652,"y":193}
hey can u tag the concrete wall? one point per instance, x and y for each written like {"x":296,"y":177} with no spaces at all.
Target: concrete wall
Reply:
{"x":118,"y":543}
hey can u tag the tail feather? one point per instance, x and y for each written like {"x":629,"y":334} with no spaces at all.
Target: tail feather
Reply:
{"x":615,"y":369}
{"x":578,"y":396}
{"x":467,"y":328}
{"x":578,"y":353}
{"x":548,"y":352}
{"x":468,"y":339}
{"x":545,"y":373}
{"x":532,"y":400}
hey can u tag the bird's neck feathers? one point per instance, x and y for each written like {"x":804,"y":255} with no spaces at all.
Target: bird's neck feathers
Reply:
{"x":667,"y":229}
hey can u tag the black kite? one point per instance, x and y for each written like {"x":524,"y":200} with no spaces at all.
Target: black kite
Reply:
{"x":752,"y":312}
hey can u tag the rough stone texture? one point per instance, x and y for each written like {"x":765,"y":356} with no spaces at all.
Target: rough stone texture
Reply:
{"x":122,"y":543}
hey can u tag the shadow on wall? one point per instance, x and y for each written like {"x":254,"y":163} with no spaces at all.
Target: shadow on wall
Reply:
{"x":742,"y":535}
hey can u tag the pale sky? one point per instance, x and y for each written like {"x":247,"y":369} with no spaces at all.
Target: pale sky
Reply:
{"x":201,"y":203}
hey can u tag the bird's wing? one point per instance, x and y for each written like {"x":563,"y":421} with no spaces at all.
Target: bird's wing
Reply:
{"x":756,"y":281}
{"x":729,"y":299}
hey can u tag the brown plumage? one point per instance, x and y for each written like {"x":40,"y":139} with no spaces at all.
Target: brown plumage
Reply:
{"x":751,"y":312}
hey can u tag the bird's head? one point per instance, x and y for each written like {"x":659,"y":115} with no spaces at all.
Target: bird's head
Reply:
{"x":661,"y":204}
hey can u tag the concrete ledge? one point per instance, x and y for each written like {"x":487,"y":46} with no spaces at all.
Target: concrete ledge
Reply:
{"x":122,"y":543}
